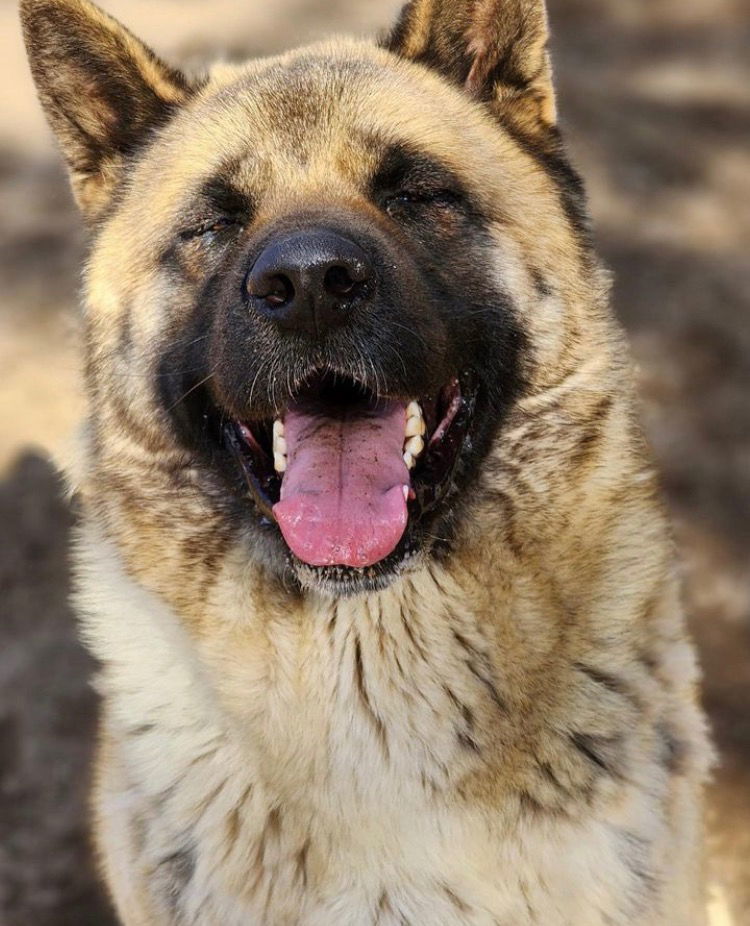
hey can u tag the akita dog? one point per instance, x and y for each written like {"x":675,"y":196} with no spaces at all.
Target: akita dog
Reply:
{"x":372,"y":552}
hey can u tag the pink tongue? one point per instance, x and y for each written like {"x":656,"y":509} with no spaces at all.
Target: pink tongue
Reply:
{"x":342,"y":495}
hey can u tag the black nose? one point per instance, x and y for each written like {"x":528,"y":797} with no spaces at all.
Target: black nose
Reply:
{"x":309,"y":281}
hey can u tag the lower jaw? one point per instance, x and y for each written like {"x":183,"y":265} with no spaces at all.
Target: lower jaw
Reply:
{"x":348,"y":581}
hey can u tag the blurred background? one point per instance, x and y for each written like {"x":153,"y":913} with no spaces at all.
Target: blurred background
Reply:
{"x":655,"y":98}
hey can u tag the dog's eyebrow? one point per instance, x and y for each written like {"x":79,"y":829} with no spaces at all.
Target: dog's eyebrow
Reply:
{"x":225,"y":197}
{"x":401,"y":164}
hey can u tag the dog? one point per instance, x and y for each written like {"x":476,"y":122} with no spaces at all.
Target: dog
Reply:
{"x":371,"y":550}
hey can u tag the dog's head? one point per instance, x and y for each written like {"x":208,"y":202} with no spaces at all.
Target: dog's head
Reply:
{"x":319,"y":283}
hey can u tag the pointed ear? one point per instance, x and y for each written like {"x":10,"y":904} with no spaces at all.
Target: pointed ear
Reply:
{"x":102,"y":90}
{"x":495,"y":49}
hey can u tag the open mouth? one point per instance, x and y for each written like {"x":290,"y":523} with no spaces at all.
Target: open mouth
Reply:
{"x":344,"y":472}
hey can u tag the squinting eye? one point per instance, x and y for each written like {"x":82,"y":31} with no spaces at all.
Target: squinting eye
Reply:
{"x":440,"y":198}
{"x":210,"y":228}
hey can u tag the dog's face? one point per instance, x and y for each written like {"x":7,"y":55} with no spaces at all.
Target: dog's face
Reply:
{"x":319,"y":283}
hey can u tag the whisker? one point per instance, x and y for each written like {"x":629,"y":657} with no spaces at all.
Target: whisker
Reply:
{"x":252,"y":385}
{"x":193,"y":388}
{"x":411,"y":331}
{"x":400,"y":358}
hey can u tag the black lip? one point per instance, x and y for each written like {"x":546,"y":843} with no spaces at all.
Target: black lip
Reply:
{"x":432,"y":480}
{"x":440,"y":462}
{"x":263,"y":482}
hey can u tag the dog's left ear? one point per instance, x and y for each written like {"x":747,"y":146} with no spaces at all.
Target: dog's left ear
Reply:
{"x":495,"y":49}
{"x":104,"y":92}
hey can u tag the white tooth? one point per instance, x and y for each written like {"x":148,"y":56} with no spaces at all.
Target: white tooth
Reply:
{"x":278,"y":428}
{"x":415,"y":445}
{"x":406,"y":493}
{"x":409,"y":460}
{"x":413,"y":410}
{"x":279,"y":445}
{"x":279,"y":462}
{"x":414,"y":426}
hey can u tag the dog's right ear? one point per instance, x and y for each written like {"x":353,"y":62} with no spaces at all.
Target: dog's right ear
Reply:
{"x":104,"y":91}
{"x":496,"y":50}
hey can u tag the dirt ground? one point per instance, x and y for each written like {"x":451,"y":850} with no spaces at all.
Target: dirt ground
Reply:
{"x":655,"y":95}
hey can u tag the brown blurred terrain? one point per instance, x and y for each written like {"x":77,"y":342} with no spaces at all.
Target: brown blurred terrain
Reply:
{"x":655,"y":95}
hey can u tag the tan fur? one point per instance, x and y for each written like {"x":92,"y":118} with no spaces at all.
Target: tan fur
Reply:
{"x":510,"y":736}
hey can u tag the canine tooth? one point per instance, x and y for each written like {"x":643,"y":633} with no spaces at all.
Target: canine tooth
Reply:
{"x":413,"y":410}
{"x":415,"y":445}
{"x":414,"y":427}
{"x":406,"y":492}
{"x":278,"y":428}
{"x":409,"y":460}
{"x":279,"y":462}
{"x":279,"y":445}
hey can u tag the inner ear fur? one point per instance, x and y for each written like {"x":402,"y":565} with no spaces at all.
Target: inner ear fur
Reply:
{"x":495,"y":49}
{"x":103,"y":91}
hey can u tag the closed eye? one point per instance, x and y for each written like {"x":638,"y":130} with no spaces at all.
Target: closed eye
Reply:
{"x":211,"y":227}
{"x":441,"y":198}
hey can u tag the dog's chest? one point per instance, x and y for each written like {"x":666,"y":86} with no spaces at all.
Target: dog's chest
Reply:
{"x":407,"y":866}
{"x":339,"y":799}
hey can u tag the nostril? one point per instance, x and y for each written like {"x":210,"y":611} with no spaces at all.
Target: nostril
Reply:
{"x":276,"y":291}
{"x":280,"y":292}
{"x":338,"y":281}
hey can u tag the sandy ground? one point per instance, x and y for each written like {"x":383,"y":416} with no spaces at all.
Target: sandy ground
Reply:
{"x":656,"y":99}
